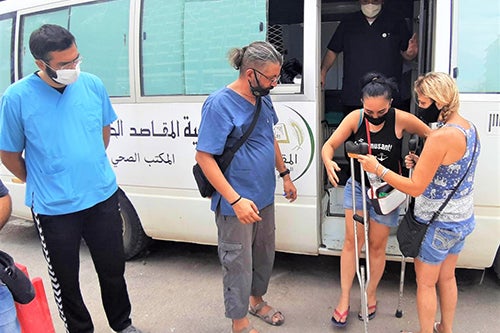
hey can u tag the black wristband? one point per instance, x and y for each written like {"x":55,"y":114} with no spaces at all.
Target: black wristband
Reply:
{"x":235,"y":201}
{"x":284,"y":173}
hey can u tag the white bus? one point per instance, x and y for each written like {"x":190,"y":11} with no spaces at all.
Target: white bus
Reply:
{"x":160,"y":59}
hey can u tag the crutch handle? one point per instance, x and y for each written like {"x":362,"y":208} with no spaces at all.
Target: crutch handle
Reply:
{"x":355,"y":149}
{"x":413,"y":143}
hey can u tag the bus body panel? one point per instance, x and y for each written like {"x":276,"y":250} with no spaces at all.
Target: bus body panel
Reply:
{"x":153,"y":144}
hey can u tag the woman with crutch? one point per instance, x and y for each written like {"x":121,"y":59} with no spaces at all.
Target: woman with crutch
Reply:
{"x":385,"y":126}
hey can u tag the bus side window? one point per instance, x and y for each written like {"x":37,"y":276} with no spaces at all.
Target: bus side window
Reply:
{"x":108,"y":58}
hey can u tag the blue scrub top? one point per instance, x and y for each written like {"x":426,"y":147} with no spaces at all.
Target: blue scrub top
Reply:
{"x":62,"y":138}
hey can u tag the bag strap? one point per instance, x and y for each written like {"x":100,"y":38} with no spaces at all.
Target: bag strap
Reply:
{"x":368,"y":138}
{"x":439,"y":211}
{"x":232,"y":150}
{"x":245,"y":136}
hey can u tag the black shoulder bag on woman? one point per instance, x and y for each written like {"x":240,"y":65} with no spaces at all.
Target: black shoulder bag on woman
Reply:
{"x":411,"y":233}
{"x":206,"y":189}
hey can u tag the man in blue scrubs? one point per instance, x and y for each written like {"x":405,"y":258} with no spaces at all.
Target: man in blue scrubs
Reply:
{"x":60,"y":118}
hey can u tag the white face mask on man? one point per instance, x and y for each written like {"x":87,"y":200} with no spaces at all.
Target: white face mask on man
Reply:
{"x":67,"y":76}
{"x":371,"y":10}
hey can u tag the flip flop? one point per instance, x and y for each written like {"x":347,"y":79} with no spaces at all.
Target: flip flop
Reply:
{"x":371,"y":315}
{"x":268,"y":316}
{"x":339,"y":323}
{"x":436,"y":324}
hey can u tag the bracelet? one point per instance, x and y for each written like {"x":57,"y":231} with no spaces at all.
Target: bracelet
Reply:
{"x":235,"y":201}
{"x":376,"y":168}
{"x":384,"y":172}
{"x":284,"y":173}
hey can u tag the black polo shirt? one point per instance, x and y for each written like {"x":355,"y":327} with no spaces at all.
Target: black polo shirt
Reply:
{"x":368,"y":48}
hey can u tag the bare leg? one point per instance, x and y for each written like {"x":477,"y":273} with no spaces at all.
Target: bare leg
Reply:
{"x":241,"y":324}
{"x":378,"y":236}
{"x":448,"y":294}
{"x":427,"y":277}
{"x":348,"y":261}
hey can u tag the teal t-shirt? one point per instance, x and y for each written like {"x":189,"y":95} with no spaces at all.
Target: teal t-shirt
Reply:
{"x":61,"y":135}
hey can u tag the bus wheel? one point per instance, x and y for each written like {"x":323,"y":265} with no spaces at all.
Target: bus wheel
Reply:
{"x":496,"y":264}
{"x":135,"y":240}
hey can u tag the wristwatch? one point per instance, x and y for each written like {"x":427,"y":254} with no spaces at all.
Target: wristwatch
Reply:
{"x":284,"y":173}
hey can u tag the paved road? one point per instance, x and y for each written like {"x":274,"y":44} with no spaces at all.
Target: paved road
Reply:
{"x":176,"y":287}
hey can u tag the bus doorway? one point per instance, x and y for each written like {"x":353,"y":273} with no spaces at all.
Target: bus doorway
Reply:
{"x":417,"y":19}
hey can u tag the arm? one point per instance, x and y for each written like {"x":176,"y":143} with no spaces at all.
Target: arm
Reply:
{"x":433,"y":154}
{"x":106,"y":134}
{"x":245,"y":209}
{"x":15,"y":163}
{"x":412,"y":50}
{"x":348,"y":126}
{"x":5,"y":209}
{"x":326,"y":64}
{"x":288,"y":187}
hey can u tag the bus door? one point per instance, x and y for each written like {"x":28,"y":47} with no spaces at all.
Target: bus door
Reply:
{"x":418,"y":15}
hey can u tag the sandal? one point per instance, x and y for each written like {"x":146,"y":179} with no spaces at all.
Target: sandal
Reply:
{"x":436,"y":324}
{"x":268,"y":316}
{"x":340,"y":323}
{"x":371,"y":314}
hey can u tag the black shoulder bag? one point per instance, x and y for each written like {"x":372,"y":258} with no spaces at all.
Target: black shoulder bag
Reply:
{"x":411,"y":233}
{"x":206,"y":189}
{"x":16,"y":281}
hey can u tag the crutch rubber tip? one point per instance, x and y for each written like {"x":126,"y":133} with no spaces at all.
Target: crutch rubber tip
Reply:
{"x":399,"y":313}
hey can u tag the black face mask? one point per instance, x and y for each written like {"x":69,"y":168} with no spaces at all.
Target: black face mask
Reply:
{"x":376,"y":121}
{"x":429,"y":115}
{"x":259,"y":90}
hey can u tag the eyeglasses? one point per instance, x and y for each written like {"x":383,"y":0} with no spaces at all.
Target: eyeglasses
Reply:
{"x":67,"y":65}
{"x":272,"y":80}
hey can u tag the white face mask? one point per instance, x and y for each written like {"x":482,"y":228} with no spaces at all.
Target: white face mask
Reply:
{"x":371,"y":10}
{"x":67,"y":76}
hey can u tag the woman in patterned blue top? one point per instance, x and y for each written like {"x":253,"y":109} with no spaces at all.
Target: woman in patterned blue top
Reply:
{"x":445,"y":159}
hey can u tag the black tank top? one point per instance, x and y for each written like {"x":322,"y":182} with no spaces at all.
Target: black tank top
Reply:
{"x":386,"y":147}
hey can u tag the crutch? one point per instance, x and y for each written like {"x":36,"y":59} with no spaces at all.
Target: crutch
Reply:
{"x":352,"y":151}
{"x":412,"y":147}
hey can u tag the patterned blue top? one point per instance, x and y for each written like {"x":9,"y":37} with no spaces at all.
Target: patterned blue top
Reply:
{"x":461,"y":205}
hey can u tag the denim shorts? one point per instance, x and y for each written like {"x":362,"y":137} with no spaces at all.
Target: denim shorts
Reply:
{"x":389,"y":220}
{"x":8,"y":317}
{"x":443,"y":239}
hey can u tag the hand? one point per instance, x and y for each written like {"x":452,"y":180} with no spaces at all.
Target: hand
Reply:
{"x":369,"y":163}
{"x":323,"y":80}
{"x":411,"y":160}
{"x":246,"y":211}
{"x":290,"y":192}
{"x":331,"y":169}
{"x":412,"y":49}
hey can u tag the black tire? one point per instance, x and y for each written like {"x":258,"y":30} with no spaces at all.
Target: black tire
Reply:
{"x":135,"y":241}
{"x":496,"y":264}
